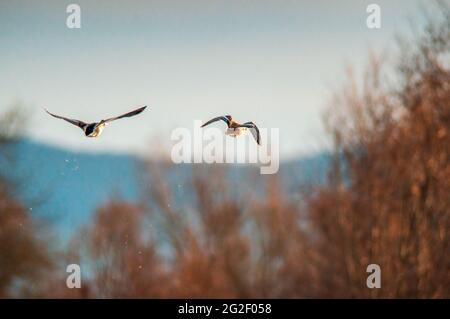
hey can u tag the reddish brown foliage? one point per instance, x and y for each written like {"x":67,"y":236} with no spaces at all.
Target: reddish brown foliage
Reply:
{"x":24,"y":257}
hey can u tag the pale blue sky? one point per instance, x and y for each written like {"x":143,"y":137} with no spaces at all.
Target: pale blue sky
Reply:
{"x":272,"y":62}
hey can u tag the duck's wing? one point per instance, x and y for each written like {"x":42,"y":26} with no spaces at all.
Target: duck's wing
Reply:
{"x":78,"y":123}
{"x":225,"y":118}
{"x":253,"y":129}
{"x":129,"y":114}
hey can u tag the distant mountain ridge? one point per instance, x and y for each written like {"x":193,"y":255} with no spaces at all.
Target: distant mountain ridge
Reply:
{"x":66,"y":187}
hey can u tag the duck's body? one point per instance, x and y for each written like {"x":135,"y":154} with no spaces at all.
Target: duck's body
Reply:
{"x":95,"y":129}
{"x":235,"y":132}
{"x":235,"y":129}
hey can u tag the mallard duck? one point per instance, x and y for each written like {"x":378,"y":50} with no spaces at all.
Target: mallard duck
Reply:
{"x":235,"y":129}
{"x":95,"y":129}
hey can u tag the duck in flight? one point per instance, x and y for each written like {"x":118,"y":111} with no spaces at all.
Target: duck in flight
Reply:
{"x":235,"y":129}
{"x":95,"y":129}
